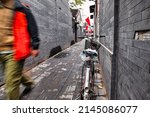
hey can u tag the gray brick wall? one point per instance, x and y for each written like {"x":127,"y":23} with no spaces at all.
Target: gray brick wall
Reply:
{"x":54,"y":20}
{"x":107,"y":29}
{"x":133,"y":55}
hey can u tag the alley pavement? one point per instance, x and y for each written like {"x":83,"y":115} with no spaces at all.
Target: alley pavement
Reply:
{"x":58,"y":78}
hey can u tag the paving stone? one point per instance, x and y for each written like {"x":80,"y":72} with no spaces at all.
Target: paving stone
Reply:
{"x":51,"y":84}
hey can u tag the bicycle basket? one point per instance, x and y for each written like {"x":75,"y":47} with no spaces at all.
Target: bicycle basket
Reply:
{"x":95,"y":45}
{"x":89,"y":54}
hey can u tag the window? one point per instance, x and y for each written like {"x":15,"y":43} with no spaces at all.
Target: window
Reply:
{"x":142,"y":35}
{"x":92,"y":8}
{"x":91,"y":17}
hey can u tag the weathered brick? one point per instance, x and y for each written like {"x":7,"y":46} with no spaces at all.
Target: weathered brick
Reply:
{"x":134,"y":51}
{"x":145,"y":45}
{"x":138,"y":17}
{"x":134,"y":3}
{"x":131,"y":19}
{"x":146,"y":14}
{"x":134,"y":55}
{"x":139,"y":8}
{"x":142,"y":25}
{"x":130,"y":35}
{"x":130,"y":27}
{"x":145,"y":55}
{"x":131,"y":12}
{"x":146,"y":4}
{"x":140,"y":62}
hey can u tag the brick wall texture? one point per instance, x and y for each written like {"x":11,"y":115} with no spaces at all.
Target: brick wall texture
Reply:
{"x":133,"y":55}
{"x":106,"y":29}
{"x":54,"y":21}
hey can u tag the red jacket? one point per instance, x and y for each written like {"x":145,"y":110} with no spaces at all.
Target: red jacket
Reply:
{"x":25,"y":31}
{"x":21,"y":36}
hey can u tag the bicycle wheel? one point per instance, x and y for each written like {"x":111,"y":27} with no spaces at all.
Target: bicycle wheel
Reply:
{"x":92,"y":79}
{"x":82,"y":81}
{"x":85,"y":82}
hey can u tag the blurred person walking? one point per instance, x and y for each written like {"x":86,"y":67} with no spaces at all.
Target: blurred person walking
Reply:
{"x":18,"y":40}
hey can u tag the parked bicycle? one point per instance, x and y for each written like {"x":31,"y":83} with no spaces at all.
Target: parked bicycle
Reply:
{"x":89,"y":56}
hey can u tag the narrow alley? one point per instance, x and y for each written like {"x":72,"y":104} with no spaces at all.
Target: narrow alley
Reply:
{"x":59,"y":77}
{"x":121,"y":27}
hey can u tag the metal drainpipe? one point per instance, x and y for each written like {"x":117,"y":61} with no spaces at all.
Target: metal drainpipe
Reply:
{"x":114,"y":69}
{"x":56,"y":28}
{"x":76,"y":29}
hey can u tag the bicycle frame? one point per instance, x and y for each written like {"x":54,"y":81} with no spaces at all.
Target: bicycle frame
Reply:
{"x":86,"y":84}
{"x":88,"y":56}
